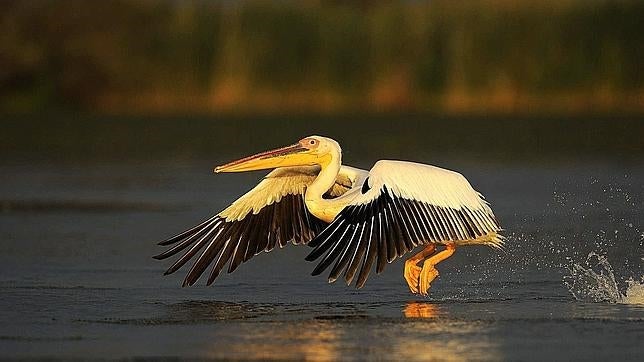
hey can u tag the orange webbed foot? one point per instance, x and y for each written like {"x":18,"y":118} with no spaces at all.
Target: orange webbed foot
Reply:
{"x":427,"y":275}
{"x":412,"y":275}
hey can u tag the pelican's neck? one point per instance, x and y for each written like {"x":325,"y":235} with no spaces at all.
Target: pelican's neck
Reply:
{"x":322,"y":208}
{"x":326,"y":178}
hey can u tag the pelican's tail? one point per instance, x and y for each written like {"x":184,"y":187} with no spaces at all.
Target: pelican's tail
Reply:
{"x":492,"y":239}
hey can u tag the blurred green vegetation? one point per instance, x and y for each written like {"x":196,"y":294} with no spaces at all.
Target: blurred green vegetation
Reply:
{"x":170,"y":57}
{"x":161,"y":57}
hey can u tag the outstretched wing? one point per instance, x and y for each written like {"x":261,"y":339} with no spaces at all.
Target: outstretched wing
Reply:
{"x":402,"y":205}
{"x":271,"y":214}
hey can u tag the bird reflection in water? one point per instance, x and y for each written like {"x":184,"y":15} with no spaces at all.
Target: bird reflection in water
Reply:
{"x":421,"y":310}
{"x":432,"y":334}
{"x":299,"y":332}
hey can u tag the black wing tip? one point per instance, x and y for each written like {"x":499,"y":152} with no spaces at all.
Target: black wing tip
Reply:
{"x":212,"y":277}
{"x":360,"y":284}
{"x":314,"y":255}
{"x":187,"y":283}
{"x":315,"y":242}
{"x":317,"y":271}
{"x":232,"y":267}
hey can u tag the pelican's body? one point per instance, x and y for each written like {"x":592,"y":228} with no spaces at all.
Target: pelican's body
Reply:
{"x":355,"y":218}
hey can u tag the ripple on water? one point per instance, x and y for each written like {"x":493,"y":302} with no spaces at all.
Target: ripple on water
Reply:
{"x":194,"y":312}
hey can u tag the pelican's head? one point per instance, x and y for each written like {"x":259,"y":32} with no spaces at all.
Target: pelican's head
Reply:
{"x":309,"y":151}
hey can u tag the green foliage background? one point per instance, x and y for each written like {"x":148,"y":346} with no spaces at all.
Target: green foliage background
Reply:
{"x":129,"y":56}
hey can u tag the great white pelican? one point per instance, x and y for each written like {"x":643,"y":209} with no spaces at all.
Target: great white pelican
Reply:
{"x":352,"y":218}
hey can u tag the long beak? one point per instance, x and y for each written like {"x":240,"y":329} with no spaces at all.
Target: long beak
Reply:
{"x":280,"y":157}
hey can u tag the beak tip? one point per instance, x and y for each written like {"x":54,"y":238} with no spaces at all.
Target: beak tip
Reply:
{"x":217,"y":169}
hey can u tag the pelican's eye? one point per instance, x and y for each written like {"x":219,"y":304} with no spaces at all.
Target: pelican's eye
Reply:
{"x":310,"y":143}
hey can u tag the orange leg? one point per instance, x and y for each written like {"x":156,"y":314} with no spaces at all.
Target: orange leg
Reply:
{"x":412,"y":270}
{"x":429,"y":272}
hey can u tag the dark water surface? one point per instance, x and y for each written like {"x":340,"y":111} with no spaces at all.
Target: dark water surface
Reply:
{"x":77,"y":278}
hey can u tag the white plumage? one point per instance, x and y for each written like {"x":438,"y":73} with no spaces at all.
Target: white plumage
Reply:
{"x":427,"y":183}
{"x":439,"y":187}
{"x":353,"y":218}
{"x":286,"y":181}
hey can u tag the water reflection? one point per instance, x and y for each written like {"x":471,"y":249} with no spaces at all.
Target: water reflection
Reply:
{"x":257,"y":331}
{"x":421,"y":310}
{"x":287,"y":340}
{"x":431,"y":334}
{"x":425,"y":331}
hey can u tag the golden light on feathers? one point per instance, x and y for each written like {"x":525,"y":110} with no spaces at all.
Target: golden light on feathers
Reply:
{"x":355,"y":220}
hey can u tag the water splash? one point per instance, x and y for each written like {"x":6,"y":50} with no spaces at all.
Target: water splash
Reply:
{"x":595,"y":282}
{"x":634,"y":292}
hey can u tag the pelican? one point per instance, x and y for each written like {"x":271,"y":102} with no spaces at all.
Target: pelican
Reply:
{"x":353,"y":219}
